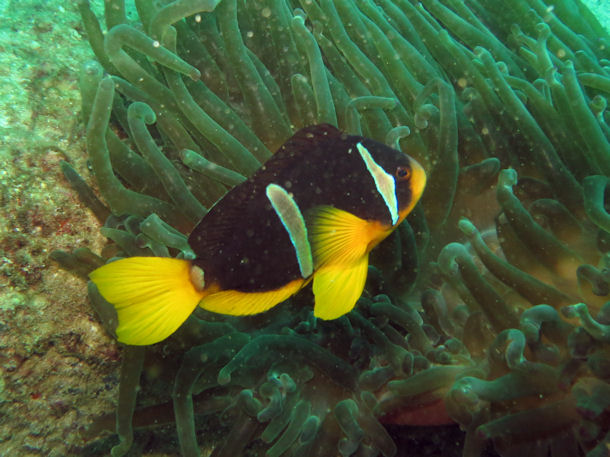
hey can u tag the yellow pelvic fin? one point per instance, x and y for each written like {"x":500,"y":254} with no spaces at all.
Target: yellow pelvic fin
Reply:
{"x":340,"y":238}
{"x":338,"y":287}
{"x":153,"y":296}
{"x":238,"y":303}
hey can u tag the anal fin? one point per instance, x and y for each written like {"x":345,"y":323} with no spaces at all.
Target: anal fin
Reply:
{"x":238,"y":303}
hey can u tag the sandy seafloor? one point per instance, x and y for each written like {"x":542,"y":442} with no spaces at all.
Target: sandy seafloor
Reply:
{"x":58,"y":369}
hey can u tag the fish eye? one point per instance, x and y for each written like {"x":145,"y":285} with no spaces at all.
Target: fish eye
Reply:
{"x":403,"y":173}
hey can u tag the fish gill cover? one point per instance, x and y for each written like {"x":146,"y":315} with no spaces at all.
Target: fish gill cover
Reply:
{"x":488,"y":307}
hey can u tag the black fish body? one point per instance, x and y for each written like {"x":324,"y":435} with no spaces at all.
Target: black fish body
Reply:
{"x":313,"y":211}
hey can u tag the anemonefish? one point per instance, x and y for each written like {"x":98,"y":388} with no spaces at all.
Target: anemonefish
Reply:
{"x":313,"y":211}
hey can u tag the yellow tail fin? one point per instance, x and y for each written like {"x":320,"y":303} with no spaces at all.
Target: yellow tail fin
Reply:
{"x":153,"y":296}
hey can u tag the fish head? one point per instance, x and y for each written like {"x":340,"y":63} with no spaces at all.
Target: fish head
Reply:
{"x":399,"y":179}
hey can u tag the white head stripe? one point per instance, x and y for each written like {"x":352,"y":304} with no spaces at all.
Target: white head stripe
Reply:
{"x":292,"y":219}
{"x":386,"y":186}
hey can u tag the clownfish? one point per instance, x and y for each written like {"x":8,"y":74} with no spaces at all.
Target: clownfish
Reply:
{"x":312,"y":212}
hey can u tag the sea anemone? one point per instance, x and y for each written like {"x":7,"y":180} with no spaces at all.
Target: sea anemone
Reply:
{"x":488,"y":307}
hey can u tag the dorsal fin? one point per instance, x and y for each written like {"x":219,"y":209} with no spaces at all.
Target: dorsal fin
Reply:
{"x":304,"y":139}
{"x":298,"y":148}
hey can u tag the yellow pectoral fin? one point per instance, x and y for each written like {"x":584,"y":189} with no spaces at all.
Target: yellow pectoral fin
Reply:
{"x":153,"y":296}
{"x":339,"y":238}
{"x":238,"y":303}
{"x":337,"y":288}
